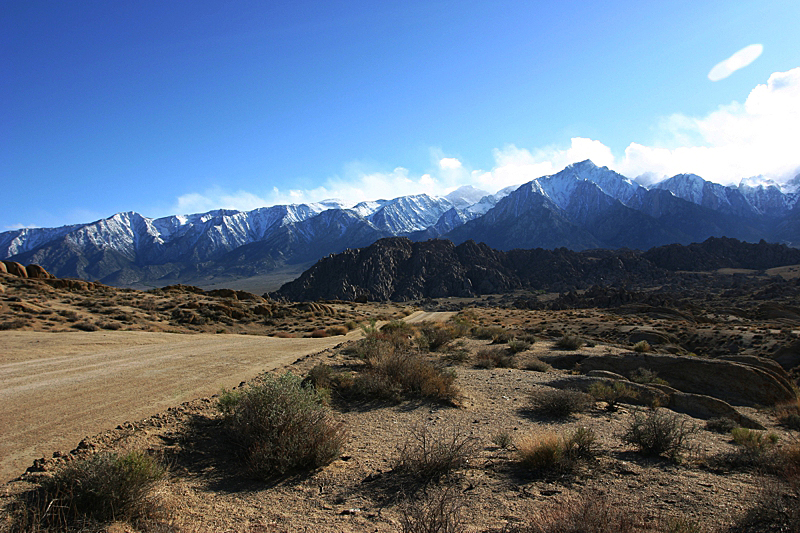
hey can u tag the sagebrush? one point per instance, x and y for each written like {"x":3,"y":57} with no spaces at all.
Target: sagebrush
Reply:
{"x":281,"y":425}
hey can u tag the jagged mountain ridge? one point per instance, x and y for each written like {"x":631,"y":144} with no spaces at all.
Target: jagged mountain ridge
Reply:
{"x":581,"y":207}
{"x":400,"y":270}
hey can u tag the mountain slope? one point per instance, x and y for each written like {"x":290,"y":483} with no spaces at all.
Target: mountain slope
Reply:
{"x":581,"y":207}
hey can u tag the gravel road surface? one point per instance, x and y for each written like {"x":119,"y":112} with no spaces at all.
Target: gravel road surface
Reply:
{"x":57,"y":388}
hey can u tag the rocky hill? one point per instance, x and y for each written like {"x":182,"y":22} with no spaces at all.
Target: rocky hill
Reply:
{"x":399,"y":269}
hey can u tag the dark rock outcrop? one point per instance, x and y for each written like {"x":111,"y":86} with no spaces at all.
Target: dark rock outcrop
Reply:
{"x":733,"y":382}
{"x":399,"y":269}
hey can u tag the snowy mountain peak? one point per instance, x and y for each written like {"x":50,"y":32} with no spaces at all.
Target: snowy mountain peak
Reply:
{"x":465,"y":196}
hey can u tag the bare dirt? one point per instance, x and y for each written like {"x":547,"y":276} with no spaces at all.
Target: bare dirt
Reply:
{"x":58,"y":388}
{"x":155,"y":388}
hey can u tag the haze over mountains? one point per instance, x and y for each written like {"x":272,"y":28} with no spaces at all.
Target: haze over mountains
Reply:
{"x":582,"y":207}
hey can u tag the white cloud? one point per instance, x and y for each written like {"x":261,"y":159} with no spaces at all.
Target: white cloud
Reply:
{"x":759,"y":137}
{"x":217,"y":199}
{"x":740,"y":59}
{"x":449,"y":163}
{"x":736,"y":141}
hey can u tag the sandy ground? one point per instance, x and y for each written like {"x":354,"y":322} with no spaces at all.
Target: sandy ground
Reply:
{"x":57,"y":388}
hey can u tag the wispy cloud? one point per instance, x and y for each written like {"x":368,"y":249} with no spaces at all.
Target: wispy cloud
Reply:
{"x":740,"y":59}
{"x":14,"y":227}
{"x":758,"y":137}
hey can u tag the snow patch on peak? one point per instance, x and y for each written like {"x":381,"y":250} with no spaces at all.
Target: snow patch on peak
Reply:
{"x":465,"y":196}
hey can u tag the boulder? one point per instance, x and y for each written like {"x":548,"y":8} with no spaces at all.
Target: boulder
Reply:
{"x":694,"y":405}
{"x":734,"y":382}
{"x":224,"y":293}
{"x":765,"y":364}
{"x":37,"y":272}
{"x":646,"y":395}
{"x":70,"y":284}
{"x":12,"y":267}
{"x":706,"y":407}
{"x":606,"y":374}
{"x":3,"y":269}
{"x":652,"y":337}
{"x":788,"y":356}
{"x":244,"y":295}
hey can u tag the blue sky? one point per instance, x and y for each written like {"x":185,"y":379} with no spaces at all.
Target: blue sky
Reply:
{"x":184,"y":106}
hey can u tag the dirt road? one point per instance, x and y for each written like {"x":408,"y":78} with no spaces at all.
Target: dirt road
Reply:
{"x":56,"y":388}
{"x":428,"y":316}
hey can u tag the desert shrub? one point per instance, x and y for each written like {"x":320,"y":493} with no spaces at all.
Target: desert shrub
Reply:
{"x":589,"y":513}
{"x":503,"y":439}
{"x":437,"y":510}
{"x":400,"y":374}
{"x":754,"y":440}
{"x":658,"y":432}
{"x":433,"y":337}
{"x":86,"y":326}
{"x":281,"y":425}
{"x":776,"y":510}
{"x":758,"y":451}
{"x":642,"y":347}
{"x":646,"y":376}
{"x":103,"y":488}
{"x":373,"y":346}
{"x":70,"y":315}
{"x":350,"y":325}
{"x":458,"y":354}
{"x":612,"y":394}
{"x":559,"y":403}
{"x":398,"y":332}
{"x":537,"y":365}
{"x":285,"y":335}
{"x":13,"y":324}
{"x":496,"y":334}
{"x":580,"y":444}
{"x":569,"y":342}
{"x":516,"y":346}
{"x":791,"y":421}
{"x":493,"y":357}
{"x":431,"y":452}
{"x":113,"y":326}
{"x":323,"y":376}
{"x":722,"y":425}
{"x":461,"y":324}
{"x":337,"y":330}
{"x":550,"y":451}
{"x":319,"y":334}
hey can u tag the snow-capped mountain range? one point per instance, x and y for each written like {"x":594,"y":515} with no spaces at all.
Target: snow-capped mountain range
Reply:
{"x":583,"y":206}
